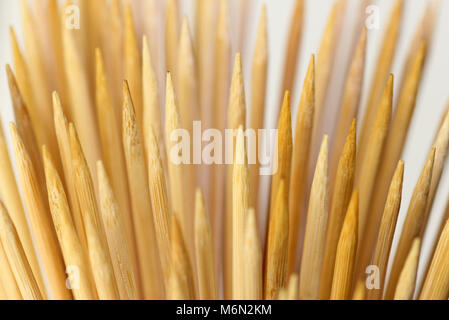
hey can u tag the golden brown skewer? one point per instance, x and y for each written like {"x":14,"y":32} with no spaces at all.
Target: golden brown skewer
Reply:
{"x":346,"y":252}
{"x":9,"y":193}
{"x":7,"y":278}
{"x":393,"y":149}
{"x":143,"y":227}
{"x":204,"y":251}
{"x":359,"y":291}
{"x":293,"y":45}
{"x":258,"y":96}
{"x":436,"y":284}
{"x":115,"y":235}
{"x":159,"y":202}
{"x":386,"y":231}
{"x":182,"y":285}
{"x":344,"y":183}
{"x":407,"y":278}
{"x":17,"y":258}
{"x":283,"y":152}
{"x":72,"y":251}
{"x":39,"y":218}
{"x":133,"y":63}
{"x":100,"y":260}
{"x":300,"y":160}
{"x":384,"y":62}
{"x":252,"y":260}
{"x":315,"y":236}
{"x":82,"y":110}
{"x":350,"y":104}
{"x":172,"y":37}
{"x":366,"y":173}
{"x":240,"y":206}
{"x":277,"y":245}
{"x":62,"y":134}
{"x":221,"y":96}
{"x":114,"y":158}
{"x":414,"y":223}
{"x":236,"y":118}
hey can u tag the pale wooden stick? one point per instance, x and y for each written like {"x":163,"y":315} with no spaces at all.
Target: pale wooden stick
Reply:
{"x":283,"y":152}
{"x":384,"y":62}
{"x":344,"y":183}
{"x":17,"y":258}
{"x":182,"y":285}
{"x":72,"y":251}
{"x":159,"y":201}
{"x":386,"y":231}
{"x":9,"y":192}
{"x":204,"y":251}
{"x":236,"y":118}
{"x":7,"y":278}
{"x":350,"y":103}
{"x":258,"y":96}
{"x":171,"y":36}
{"x":300,"y":160}
{"x":222,"y":81}
{"x":315,"y":236}
{"x":133,"y":63}
{"x":25,"y":126}
{"x":38,"y":80}
{"x":436,"y":284}
{"x":140,"y":200}
{"x":346,"y":251}
{"x":113,"y":153}
{"x":293,"y":45}
{"x":40,"y":221}
{"x":81,"y":102}
{"x":240,"y":205}
{"x":292,"y":289}
{"x":413,"y":225}
{"x":393,"y":149}
{"x":62,"y":134}
{"x":3,"y":295}
{"x":407,"y":278}
{"x":277,"y":245}
{"x":252,"y":259}
{"x":100,"y":260}
{"x":115,"y":234}
{"x":366,"y":173}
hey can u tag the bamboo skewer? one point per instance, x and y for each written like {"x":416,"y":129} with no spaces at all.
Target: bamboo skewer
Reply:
{"x":115,"y":234}
{"x":359,"y":291}
{"x":346,"y":251}
{"x":258,"y":93}
{"x":386,"y":230}
{"x":315,"y":236}
{"x":344,"y":183}
{"x":159,"y":204}
{"x":141,"y":206}
{"x":72,"y":251}
{"x":300,"y":160}
{"x":436,"y":284}
{"x":7,"y":278}
{"x":277,"y":245}
{"x":240,"y":206}
{"x":10,"y":195}
{"x":204,"y":251}
{"x":293,"y":45}
{"x":252,"y":259}
{"x":17,"y":258}
{"x":413,"y":224}
{"x":100,"y":260}
{"x":407,"y":278}
{"x":182,"y":286}
{"x":40,"y":221}
{"x":171,"y":36}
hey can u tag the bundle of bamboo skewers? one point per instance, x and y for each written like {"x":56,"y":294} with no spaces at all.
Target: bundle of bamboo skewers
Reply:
{"x":100,"y":211}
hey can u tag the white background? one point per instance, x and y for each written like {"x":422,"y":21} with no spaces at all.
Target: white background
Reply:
{"x":431,"y":102}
